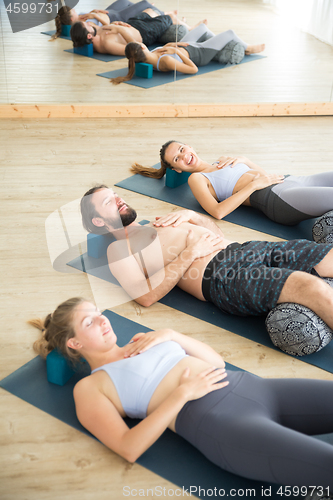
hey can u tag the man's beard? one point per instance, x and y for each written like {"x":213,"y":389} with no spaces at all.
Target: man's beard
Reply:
{"x":126,"y":218}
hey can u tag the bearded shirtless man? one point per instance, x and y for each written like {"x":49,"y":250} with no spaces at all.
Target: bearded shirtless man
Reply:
{"x":112,"y":39}
{"x":189,"y":250}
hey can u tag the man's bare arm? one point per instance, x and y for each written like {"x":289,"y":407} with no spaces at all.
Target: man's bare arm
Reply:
{"x":147,"y":291}
{"x":176,"y":218}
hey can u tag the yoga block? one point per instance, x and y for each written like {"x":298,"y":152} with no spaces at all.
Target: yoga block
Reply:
{"x":58,"y":369}
{"x":144,"y":70}
{"x":97,"y":244}
{"x":174,"y":179}
{"x":65,"y":29}
{"x":86,"y":50}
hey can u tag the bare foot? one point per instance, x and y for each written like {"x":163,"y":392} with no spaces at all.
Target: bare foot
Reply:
{"x":254,"y":49}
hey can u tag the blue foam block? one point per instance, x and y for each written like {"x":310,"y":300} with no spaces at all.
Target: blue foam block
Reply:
{"x":144,"y":70}
{"x":97,"y":244}
{"x":86,"y":50}
{"x":58,"y":369}
{"x":174,"y":179}
{"x":65,"y":29}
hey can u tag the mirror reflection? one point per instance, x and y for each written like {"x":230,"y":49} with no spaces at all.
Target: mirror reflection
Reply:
{"x":262,"y":51}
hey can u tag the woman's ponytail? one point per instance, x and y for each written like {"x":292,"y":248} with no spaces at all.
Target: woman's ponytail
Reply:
{"x":63,"y":17}
{"x":56,"y":330}
{"x":134,"y":54}
{"x":155,"y":173}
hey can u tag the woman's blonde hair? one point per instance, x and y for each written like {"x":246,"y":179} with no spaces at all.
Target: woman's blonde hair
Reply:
{"x":57,"y":329}
{"x":63,"y":17}
{"x":155,"y":173}
{"x":134,"y":54}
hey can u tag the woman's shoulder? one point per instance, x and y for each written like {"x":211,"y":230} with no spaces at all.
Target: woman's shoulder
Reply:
{"x":87,"y":385}
{"x":197,"y":178}
{"x":164,"y":62}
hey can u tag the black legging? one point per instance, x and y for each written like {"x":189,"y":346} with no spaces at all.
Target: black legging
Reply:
{"x":261,"y":429}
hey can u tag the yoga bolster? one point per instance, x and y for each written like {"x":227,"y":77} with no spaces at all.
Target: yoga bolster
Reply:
{"x":297,"y":330}
{"x":322,"y":231}
{"x":58,"y":369}
{"x":65,"y":29}
{"x":174,"y":179}
{"x":174,"y":33}
{"x":144,"y":70}
{"x":86,"y":50}
{"x":329,"y":281}
{"x":232,"y":53}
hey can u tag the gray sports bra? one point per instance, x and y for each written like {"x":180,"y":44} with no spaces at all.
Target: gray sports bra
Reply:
{"x":224,"y":180}
{"x":136,"y":379}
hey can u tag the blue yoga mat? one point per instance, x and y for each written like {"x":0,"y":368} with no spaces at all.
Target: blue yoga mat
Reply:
{"x":51,"y":33}
{"x":171,"y":456}
{"x":162,"y":78}
{"x":98,"y":57}
{"x":103,"y":57}
{"x":243,"y":216}
{"x":249,"y":327}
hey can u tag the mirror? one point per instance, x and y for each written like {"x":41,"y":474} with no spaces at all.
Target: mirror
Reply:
{"x":296,"y":67}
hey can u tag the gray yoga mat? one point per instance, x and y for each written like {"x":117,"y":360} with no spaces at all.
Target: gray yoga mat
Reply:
{"x":243,"y":216}
{"x":171,"y":456}
{"x":163,"y":78}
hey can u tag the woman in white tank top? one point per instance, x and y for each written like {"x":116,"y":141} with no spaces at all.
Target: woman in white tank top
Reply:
{"x":222,"y":187}
{"x":197,"y":48}
{"x":257,"y":428}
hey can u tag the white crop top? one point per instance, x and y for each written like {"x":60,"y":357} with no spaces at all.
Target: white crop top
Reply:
{"x":136,"y":379}
{"x":224,"y":180}
{"x":174,"y":56}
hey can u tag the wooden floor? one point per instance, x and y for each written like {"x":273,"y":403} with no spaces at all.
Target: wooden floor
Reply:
{"x":50,"y":163}
{"x":298,"y":67}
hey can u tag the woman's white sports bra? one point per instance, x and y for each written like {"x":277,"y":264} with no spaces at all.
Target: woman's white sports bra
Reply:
{"x":174,"y":56}
{"x":224,"y":180}
{"x":136,"y":379}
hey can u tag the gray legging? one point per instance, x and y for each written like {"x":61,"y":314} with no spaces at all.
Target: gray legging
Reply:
{"x":296,"y":199}
{"x":201,"y":53}
{"x":123,"y":10}
{"x":262,"y":429}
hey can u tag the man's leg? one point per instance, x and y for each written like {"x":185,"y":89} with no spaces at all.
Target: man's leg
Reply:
{"x":119,"y":5}
{"x":325,"y":267}
{"x":310,"y":291}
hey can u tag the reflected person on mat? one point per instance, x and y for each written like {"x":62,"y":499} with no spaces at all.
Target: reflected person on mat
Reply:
{"x":257,"y":428}
{"x":242,"y":279}
{"x":121,"y":10}
{"x":198,"y":48}
{"x":112,"y":39}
